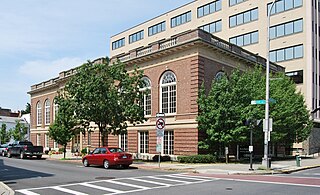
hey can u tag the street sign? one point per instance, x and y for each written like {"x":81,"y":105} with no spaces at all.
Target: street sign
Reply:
{"x":160,"y":115}
{"x":160,"y":123}
{"x":265,"y":125}
{"x":250,"y":148}
{"x":272,"y":100}
{"x":253,"y":102}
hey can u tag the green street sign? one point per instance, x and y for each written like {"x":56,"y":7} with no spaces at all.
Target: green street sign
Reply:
{"x":258,"y":102}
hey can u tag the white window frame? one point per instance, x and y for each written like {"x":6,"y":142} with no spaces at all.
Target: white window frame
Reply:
{"x":55,"y":145}
{"x":47,"y":112}
{"x":146,"y":142}
{"x":170,"y":144}
{"x":39,"y":114}
{"x":55,"y":110}
{"x":38,"y":139}
{"x":123,"y":141}
{"x":46,"y":141}
{"x":146,"y":92}
{"x":168,"y":84}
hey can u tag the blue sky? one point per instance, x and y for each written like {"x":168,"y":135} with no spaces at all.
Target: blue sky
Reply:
{"x":40,"y":38}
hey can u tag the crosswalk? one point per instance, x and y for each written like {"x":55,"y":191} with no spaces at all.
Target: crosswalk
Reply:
{"x":119,"y":186}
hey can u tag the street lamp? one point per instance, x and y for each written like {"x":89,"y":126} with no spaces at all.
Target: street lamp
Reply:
{"x":265,"y":159}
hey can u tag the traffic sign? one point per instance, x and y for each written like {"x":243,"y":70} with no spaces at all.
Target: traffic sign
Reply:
{"x":258,"y":102}
{"x":160,"y":123}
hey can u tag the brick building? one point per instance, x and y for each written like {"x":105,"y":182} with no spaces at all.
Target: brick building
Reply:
{"x":174,"y":70}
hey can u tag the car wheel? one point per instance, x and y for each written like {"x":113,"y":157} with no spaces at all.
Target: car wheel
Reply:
{"x":22,"y":156}
{"x":125,"y":166}
{"x":9,"y":155}
{"x":39,"y":157}
{"x":86,"y":162}
{"x":106,"y":164}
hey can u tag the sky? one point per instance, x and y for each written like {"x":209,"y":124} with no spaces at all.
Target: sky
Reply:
{"x":40,"y":38}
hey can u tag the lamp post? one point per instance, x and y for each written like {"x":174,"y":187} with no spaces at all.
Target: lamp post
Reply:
{"x":265,"y":159}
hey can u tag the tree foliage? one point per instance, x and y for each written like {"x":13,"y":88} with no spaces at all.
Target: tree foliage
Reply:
{"x":106,"y":95}
{"x":19,"y":132}
{"x":64,"y":127}
{"x":27,"y":110}
{"x":4,"y":134}
{"x":227,"y":104}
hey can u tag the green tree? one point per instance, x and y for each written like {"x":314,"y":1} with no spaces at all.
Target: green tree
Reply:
{"x":27,"y":110}
{"x":107,"y":95}
{"x":19,"y":132}
{"x":223,"y":109}
{"x":64,"y":127}
{"x":4,"y":135}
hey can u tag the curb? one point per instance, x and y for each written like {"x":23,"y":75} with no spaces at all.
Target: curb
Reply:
{"x":5,"y":190}
{"x":299,"y":169}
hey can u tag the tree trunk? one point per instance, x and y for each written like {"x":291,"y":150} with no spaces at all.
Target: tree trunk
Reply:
{"x":64,"y":151}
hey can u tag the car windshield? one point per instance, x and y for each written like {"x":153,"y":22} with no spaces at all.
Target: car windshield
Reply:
{"x":4,"y":146}
{"x":114,"y":150}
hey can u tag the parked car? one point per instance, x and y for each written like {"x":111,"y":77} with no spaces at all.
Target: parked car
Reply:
{"x":4,"y":149}
{"x":24,"y":149}
{"x":108,"y":156}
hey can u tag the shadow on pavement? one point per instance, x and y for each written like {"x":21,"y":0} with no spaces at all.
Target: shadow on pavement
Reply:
{"x":9,"y":173}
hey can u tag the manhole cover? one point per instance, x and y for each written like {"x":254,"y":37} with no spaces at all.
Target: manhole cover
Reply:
{"x":105,"y":178}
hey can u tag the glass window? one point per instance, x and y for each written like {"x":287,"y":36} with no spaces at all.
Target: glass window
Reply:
{"x":298,"y":51}
{"x":279,"y":6}
{"x":233,"y":40}
{"x":218,"y":5}
{"x":232,"y":2}
{"x":254,"y":14}
{"x":188,"y":16}
{"x":273,"y":56}
{"x":240,"y":41}
{"x":255,"y":37}
{"x":289,"y":28}
{"x":206,"y":28}
{"x":288,"y":4}
{"x":272,"y":32}
{"x":233,"y":21}
{"x":168,"y":143}
{"x":218,"y":26}
{"x":39,"y":114}
{"x":239,"y":19}
{"x":146,"y":99}
{"x":298,"y":26}
{"x":200,"y":12}
{"x":297,"y":3}
{"x":280,"y":55}
{"x":144,"y":142}
{"x":246,"y":17}
{"x":280,"y":31}
{"x":212,"y":7}
{"x":168,"y":93}
{"x":289,"y":53}
{"x":47,"y":112}
{"x":246,"y":39}
{"x":206,"y":10}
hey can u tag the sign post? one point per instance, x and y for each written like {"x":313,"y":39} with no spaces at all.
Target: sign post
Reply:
{"x":160,"y":125}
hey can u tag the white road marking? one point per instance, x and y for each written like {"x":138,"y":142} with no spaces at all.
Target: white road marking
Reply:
{"x":27,"y":192}
{"x":118,"y":181}
{"x":68,"y":190}
{"x":127,"y":184}
{"x":101,"y":188}
{"x":147,"y":181}
{"x":173,"y":180}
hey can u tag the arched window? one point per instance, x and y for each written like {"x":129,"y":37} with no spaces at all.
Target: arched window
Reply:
{"x":146,"y":100}
{"x":47,"y":112}
{"x":168,"y":87}
{"x":219,"y":75}
{"x":39,"y":114}
{"x":55,"y":109}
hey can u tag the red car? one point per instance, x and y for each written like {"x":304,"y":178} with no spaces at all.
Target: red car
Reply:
{"x":108,"y":156}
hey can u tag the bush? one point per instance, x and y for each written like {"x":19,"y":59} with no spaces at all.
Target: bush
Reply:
{"x":198,"y":159}
{"x":162,"y":158}
{"x":61,"y":150}
{"x":84,"y":151}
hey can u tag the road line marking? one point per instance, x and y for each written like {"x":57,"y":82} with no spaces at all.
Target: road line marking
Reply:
{"x":102,"y":188}
{"x":68,"y":190}
{"x":27,"y":192}
{"x":147,"y":181}
{"x":127,"y":184}
{"x":196,"y":176}
{"x":160,"y":178}
{"x":184,"y":177}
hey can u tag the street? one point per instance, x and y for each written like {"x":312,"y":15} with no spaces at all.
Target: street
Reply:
{"x":32,"y":176}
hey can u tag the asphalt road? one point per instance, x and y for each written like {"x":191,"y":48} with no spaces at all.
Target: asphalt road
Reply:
{"x":32,"y":176}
